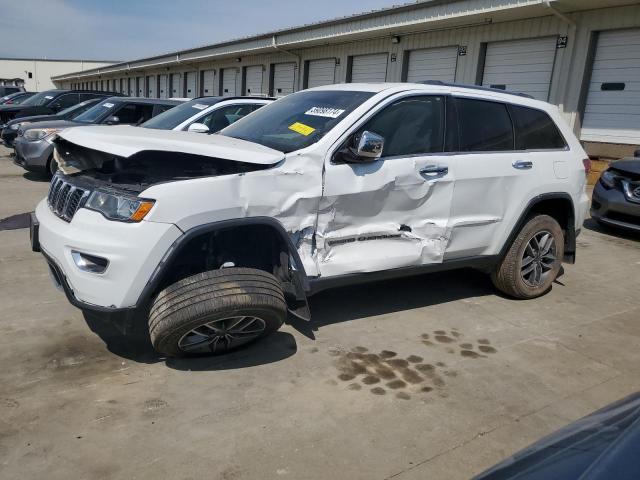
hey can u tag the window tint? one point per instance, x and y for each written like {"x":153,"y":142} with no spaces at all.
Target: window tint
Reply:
{"x":134,"y":114}
{"x":225,"y":116}
{"x":65,"y":101}
{"x":410,"y":126}
{"x":483,"y":126}
{"x":535,"y":129}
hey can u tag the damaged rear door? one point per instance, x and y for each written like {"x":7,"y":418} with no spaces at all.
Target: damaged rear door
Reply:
{"x":393,"y":211}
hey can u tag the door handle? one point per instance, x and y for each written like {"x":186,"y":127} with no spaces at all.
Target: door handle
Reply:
{"x":434,"y":171}
{"x":523,"y":165}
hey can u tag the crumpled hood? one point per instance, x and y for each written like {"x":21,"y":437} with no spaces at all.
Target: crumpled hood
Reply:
{"x":125,"y":141}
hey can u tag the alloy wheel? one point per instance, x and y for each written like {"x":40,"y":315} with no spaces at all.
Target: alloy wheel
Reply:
{"x":221,"y":335}
{"x":538,"y":259}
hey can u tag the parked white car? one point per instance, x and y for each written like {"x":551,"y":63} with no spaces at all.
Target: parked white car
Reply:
{"x":220,"y":235}
{"x":207,"y":114}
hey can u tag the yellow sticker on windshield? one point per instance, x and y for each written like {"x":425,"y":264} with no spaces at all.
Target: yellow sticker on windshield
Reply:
{"x":302,"y":129}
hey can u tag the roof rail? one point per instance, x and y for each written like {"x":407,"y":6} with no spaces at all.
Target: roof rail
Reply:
{"x":474,"y":87}
{"x":237,"y":97}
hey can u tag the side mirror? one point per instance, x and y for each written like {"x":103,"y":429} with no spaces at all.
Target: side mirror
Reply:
{"x":369,"y":146}
{"x":56,"y":107}
{"x":112,"y":120}
{"x":198,"y":128}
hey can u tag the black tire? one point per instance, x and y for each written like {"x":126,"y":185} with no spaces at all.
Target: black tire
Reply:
{"x":212,"y":302}
{"x":510,"y":278}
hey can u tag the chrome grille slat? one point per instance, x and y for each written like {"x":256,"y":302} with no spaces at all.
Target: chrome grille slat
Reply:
{"x":64,"y":199}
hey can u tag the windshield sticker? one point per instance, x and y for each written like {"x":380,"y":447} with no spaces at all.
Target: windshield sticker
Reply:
{"x":302,"y":129}
{"x":199,"y":106}
{"x":324,"y":112}
{"x":107,"y":105}
{"x":48,"y":97}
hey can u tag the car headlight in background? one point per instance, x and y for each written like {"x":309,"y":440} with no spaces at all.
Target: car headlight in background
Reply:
{"x":35,"y":134}
{"x":119,"y":207}
{"x":609,"y":179}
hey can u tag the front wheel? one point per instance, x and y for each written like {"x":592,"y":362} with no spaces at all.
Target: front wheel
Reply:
{"x":533,"y":260}
{"x":215,"y":312}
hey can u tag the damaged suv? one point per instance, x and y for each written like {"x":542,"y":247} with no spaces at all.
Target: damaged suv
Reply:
{"x":214,"y":238}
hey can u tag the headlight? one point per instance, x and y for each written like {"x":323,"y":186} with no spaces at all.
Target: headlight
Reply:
{"x":119,"y":207}
{"x":609,"y":179}
{"x":15,"y":126}
{"x":35,"y":134}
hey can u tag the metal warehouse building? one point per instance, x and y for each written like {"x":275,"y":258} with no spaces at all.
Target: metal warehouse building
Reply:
{"x":583,"y":55}
{"x":34,"y":74}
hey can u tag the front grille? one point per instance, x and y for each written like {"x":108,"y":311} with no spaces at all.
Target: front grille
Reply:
{"x":64,"y":198}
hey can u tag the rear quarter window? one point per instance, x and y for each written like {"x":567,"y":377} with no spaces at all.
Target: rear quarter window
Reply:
{"x":535,"y":130}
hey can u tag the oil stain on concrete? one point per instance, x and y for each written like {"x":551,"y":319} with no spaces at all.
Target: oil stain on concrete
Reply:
{"x":385,"y":372}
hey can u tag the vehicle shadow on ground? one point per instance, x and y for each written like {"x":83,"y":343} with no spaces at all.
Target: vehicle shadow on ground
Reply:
{"x":136,"y":346}
{"x":35,"y":177}
{"x":390,"y":296}
{"x":332,"y":306}
{"x":591,"y":224}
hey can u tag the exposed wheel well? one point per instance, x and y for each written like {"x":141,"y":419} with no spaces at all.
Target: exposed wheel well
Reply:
{"x":558,"y":206}
{"x":561,"y":209}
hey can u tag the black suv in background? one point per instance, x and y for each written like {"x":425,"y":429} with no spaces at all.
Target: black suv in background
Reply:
{"x":48,"y":102}
{"x":10,"y":130}
{"x":34,"y":147}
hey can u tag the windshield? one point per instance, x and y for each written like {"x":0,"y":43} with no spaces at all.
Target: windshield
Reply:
{"x":95,"y":113}
{"x":175,"y":116}
{"x":39,"y":99}
{"x":298,"y":120}
{"x":74,"y":110}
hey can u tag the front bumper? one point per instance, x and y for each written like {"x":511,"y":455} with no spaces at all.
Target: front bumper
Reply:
{"x":611,"y":207}
{"x":133,"y":250}
{"x":32,"y":156}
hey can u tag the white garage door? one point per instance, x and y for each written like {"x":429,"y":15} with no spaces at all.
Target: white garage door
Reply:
{"x":164,"y":87}
{"x":152,"y":87}
{"x":612,"y":112}
{"x":253,"y":80}
{"x":140,"y":86}
{"x":284,"y":77}
{"x":176,"y":85}
{"x":321,"y":72}
{"x":208,"y":82}
{"x":369,"y":68}
{"x":131,"y":88}
{"x":433,"y":64}
{"x":229,"y":78}
{"x":191,"y":85}
{"x":521,"y":66}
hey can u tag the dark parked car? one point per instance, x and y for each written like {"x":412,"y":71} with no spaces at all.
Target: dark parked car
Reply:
{"x":10,"y":131}
{"x":16,"y":98}
{"x":48,"y":102}
{"x":34,"y":147}
{"x":601,"y":446}
{"x":616,"y":196}
{"x":8,"y":89}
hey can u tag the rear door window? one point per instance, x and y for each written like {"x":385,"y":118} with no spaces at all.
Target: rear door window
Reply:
{"x":535,"y":130}
{"x":484,"y":126}
{"x":225,"y":116}
{"x":133,"y":114}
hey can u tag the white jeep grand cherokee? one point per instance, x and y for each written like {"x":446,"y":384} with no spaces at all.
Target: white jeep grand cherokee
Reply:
{"x":214,"y":238}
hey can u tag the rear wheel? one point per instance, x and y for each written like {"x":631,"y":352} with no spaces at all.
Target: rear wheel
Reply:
{"x":533,"y":261}
{"x":215,"y":312}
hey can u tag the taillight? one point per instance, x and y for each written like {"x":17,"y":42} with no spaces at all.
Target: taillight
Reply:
{"x":587,"y":165}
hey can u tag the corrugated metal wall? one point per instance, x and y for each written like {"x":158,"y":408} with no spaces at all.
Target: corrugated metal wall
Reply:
{"x":570,"y":69}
